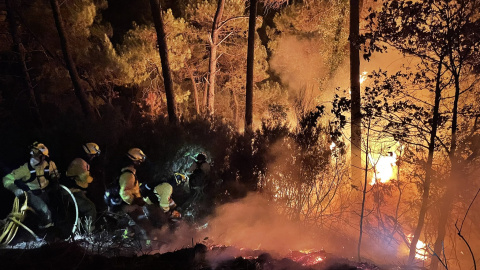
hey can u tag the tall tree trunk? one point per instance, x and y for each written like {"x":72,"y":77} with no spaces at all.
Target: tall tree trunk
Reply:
{"x":356,"y":131}
{"x":364,"y":193}
{"x":250,"y":66}
{"x":451,"y":192}
{"x":195,"y":89}
{"x":234,"y":104}
{"x":212,"y":67}
{"x":72,"y":69}
{"x":21,"y":52}
{"x":163,"y":50}
{"x":429,"y":171}
{"x":205,"y":96}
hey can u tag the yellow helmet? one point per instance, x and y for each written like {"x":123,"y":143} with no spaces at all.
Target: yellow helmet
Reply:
{"x":91,"y":148}
{"x":136,"y":154}
{"x":39,"y":148}
{"x":180,"y":178}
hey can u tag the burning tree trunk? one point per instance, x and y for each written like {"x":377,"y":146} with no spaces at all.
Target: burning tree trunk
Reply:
{"x":356,"y":139}
{"x":72,"y":69}
{"x":250,"y":65}
{"x":163,"y":51}
{"x":20,"y":51}
{"x":429,"y":171}
{"x":212,"y":67}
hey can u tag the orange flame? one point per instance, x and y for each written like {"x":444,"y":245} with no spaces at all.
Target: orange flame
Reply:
{"x":421,"y":248}
{"x":384,"y":168}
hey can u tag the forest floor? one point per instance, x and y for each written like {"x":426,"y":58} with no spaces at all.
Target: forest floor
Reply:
{"x":71,"y":255}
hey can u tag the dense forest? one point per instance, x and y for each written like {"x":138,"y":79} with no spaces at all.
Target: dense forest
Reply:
{"x":368,"y":141}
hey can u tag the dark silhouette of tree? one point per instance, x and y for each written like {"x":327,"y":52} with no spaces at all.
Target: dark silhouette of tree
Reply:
{"x":72,"y":69}
{"x":212,"y":66}
{"x":251,"y":58}
{"x":250,"y":64}
{"x":21,"y":55}
{"x":163,"y":50}
{"x":356,"y":117}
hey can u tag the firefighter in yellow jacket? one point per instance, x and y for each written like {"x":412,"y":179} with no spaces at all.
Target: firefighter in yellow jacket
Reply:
{"x":160,"y":195}
{"x":129,"y":186}
{"x":78,"y":178}
{"x":33,"y":178}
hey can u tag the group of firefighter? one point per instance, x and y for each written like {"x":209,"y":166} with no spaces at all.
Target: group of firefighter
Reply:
{"x":35,"y":178}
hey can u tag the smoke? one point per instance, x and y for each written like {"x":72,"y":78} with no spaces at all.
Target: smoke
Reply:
{"x":298,"y":62}
{"x":300,"y":65}
{"x":254,"y":223}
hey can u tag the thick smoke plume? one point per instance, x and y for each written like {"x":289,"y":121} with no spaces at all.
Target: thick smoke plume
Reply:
{"x":251,"y":223}
{"x":254,"y":223}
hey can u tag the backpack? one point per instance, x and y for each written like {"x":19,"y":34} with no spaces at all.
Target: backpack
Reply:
{"x":112,"y":197}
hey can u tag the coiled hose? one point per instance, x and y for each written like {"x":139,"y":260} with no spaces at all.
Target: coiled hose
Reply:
{"x":17,"y":216}
{"x":15,"y":220}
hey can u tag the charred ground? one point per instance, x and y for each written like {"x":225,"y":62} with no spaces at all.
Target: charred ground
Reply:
{"x":71,"y":255}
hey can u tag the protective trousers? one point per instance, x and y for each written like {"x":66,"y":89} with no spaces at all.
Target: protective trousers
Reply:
{"x":85,"y":206}
{"x":39,"y":204}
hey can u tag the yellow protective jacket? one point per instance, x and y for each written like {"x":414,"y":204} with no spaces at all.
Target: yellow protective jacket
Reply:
{"x":129,"y":187}
{"x":163,"y":193}
{"x":36,"y":178}
{"x":79,"y":170}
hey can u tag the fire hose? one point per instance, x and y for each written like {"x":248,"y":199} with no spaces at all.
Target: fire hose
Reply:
{"x":75,"y":224}
{"x":14,"y":221}
{"x":16,"y":217}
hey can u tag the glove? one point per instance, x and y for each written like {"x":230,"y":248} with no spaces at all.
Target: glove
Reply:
{"x":18,"y":192}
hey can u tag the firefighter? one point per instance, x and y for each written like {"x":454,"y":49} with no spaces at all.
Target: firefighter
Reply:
{"x":129,"y":186}
{"x":78,"y":178}
{"x":200,"y":164}
{"x":159,"y":196}
{"x":33,"y":178}
{"x":129,"y":192}
{"x":198,"y":173}
{"x":124,"y":190}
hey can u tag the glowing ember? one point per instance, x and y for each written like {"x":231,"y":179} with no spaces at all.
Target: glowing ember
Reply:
{"x":308,"y":257}
{"x":384,"y":168}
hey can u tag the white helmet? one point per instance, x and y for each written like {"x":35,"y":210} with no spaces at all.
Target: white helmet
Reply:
{"x":136,"y":154}
{"x":91,"y":148}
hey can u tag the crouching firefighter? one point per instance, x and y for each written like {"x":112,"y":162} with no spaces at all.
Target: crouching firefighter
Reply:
{"x":33,"y":178}
{"x":158,"y":196}
{"x":78,"y":178}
